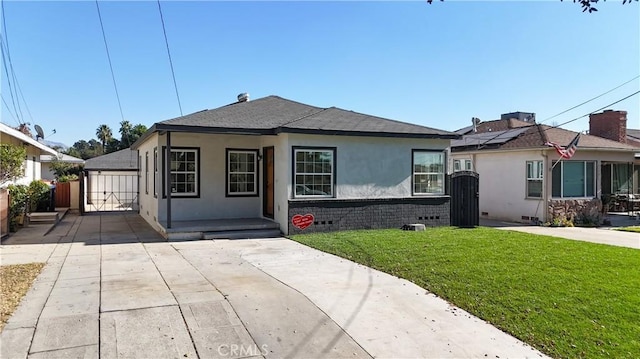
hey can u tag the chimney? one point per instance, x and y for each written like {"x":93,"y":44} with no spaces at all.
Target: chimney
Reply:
{"x":609,"y":124}
{"x":475,"y":121}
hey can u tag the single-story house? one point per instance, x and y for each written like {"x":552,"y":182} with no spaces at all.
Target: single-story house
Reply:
{"x":523,"y":179}
{"x":111,"y":182}
{"x":32,"y":165}
{"x":46,"y":161}
{"x":306,"y":168}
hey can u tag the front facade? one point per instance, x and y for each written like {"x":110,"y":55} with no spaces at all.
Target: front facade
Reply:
{"x":524,"y":180}
{"x":32,"y":165}
{"x":306,"y":168}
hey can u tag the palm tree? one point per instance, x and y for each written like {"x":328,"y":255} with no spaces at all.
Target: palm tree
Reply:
{"x":125,"y":132}
{"x":104,"y":134}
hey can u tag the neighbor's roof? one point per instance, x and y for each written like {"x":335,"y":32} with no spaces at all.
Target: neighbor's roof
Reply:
{"x":533,"y":136}
{"x":273,"y":114}
{"x":62,"y":158}
{"x":4,"y":129}
{"x":123,"y":160}
{"x":633,"y":135}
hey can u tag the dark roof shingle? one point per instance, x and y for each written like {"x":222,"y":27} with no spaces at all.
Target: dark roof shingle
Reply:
{"x":123,"y":160}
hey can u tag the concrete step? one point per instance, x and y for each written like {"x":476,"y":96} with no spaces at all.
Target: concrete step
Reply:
{"x":243,"y":234}
{"x":44,"y":217}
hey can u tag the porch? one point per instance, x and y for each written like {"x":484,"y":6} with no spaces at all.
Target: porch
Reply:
{"x":233,"y":228}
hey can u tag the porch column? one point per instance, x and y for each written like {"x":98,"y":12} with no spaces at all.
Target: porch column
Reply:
{"x":167,"y":170}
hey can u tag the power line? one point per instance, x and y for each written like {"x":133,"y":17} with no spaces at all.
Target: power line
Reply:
{"x":166,"y":42}
{"x":589,"y":100}
{"x":9,"y":110}
{"x":6,"y":71}
{"x":113,"y":77}
{"x":601,"y":108}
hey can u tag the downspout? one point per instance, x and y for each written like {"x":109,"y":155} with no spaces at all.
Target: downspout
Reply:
{"x":168,"y":176}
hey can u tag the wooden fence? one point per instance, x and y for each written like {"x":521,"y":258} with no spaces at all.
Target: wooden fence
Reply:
{"x":63,"y":194}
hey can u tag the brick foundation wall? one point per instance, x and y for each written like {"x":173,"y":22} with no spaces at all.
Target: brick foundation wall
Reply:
{"x":609,"y":124}
{"x":337,"y":215}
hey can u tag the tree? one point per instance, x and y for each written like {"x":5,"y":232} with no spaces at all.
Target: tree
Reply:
{"x":587,"y":5}
{"x":104,"y":134}
{"x":12,"y":160}
{"x":125,"y":133}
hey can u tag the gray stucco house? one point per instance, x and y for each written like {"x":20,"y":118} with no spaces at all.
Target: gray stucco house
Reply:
{"x":303,"y":167}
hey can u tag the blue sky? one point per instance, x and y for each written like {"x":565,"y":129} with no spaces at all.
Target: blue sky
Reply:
{"x":437,"y":65}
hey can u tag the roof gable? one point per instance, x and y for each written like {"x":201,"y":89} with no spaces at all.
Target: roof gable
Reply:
{"x":123,"y":160}
{"x":4,"y":129}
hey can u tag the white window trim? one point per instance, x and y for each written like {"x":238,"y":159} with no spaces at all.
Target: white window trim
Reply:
{"x":332,"y":151}
{"x":254,"y":173}
{"x":196,"y":183}
{"x":413,"y":173}
{"x":540,"y":172}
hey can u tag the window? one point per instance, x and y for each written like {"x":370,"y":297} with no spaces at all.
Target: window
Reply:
{"x":535,"y":174}
{"x":185,"y":168}
{"x":146,"y":172}
{"x":573,"y":179}
{"x":242,"y":172}
{"x":462,"y":165}
{"x":428,"y":172}
{"x":155,"y":171}
{"x":314,"y":172}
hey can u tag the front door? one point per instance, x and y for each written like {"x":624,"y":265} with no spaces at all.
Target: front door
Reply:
{"x":267,"y":202}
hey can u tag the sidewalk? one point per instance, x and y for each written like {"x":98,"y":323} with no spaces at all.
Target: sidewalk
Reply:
{"x":602,"y":235}
{"x":112,"y":287}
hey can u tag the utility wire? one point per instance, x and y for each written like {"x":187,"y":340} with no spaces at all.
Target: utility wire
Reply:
{"x":589,"y":100}
{"x":9,"y":110}
{"x":5,"y":43}
{"x":113,"y":77}
{"x":166,"y":42}
{"x":6,"y":71}
{"x":601,"y":108}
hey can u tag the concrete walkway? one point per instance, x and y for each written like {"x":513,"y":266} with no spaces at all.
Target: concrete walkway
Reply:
{"x":602,"y":235}
{"x":113,"y":288}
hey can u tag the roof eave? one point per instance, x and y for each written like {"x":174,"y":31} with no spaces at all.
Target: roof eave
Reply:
{"x":451,"y":136}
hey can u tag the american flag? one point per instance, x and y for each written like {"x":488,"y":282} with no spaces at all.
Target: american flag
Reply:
{"x":566,"y":152}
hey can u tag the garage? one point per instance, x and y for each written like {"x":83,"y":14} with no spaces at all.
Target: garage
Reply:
{"x":110,"y":182}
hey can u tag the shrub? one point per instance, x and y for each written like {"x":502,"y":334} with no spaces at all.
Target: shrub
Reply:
{"x":18,"y":195}
{"x":67,"y":178}
{"x":39,"y":196}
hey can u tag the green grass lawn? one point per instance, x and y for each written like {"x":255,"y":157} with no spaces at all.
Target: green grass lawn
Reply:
{"x":629,"y":229}
{"x":567,"y":298}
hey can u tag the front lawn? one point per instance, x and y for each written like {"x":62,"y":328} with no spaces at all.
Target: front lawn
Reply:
{"x":566,"y":298}
{"x":15,"y":281}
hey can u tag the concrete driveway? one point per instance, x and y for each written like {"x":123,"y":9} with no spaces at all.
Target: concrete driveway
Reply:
{"x":113,"y":288}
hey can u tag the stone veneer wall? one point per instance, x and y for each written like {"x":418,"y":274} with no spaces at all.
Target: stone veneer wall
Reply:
{"x":337,"y":215}
{"x":573,"y":209}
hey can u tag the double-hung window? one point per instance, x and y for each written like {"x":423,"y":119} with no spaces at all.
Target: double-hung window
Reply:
{"x":574,"y":179}
{"x":314,"y":172}
{"x":242,"y":172}
{"x":185,"y":167}
{"x":155,"y":171}
{"x":146,"y":172}
{"x":428,"y":172}
{"x":535,"y":172}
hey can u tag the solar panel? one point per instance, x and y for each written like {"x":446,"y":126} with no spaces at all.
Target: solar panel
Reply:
{"x":489,"y":138}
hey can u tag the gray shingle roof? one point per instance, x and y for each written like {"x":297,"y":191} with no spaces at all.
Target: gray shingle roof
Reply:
{"x":123,"y":160}
{"x":273,"y":114}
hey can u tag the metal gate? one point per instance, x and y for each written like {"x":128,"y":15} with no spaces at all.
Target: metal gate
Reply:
{"x":106,"y":191}
{"x":465,"y":206}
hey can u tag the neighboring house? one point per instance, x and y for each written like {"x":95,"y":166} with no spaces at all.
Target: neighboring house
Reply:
{"x":111,"y":182}
{"x":32,"y":167}
{"x":304,"y":167}
{"x":46,"y":161}
{"x":517,"y":182}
